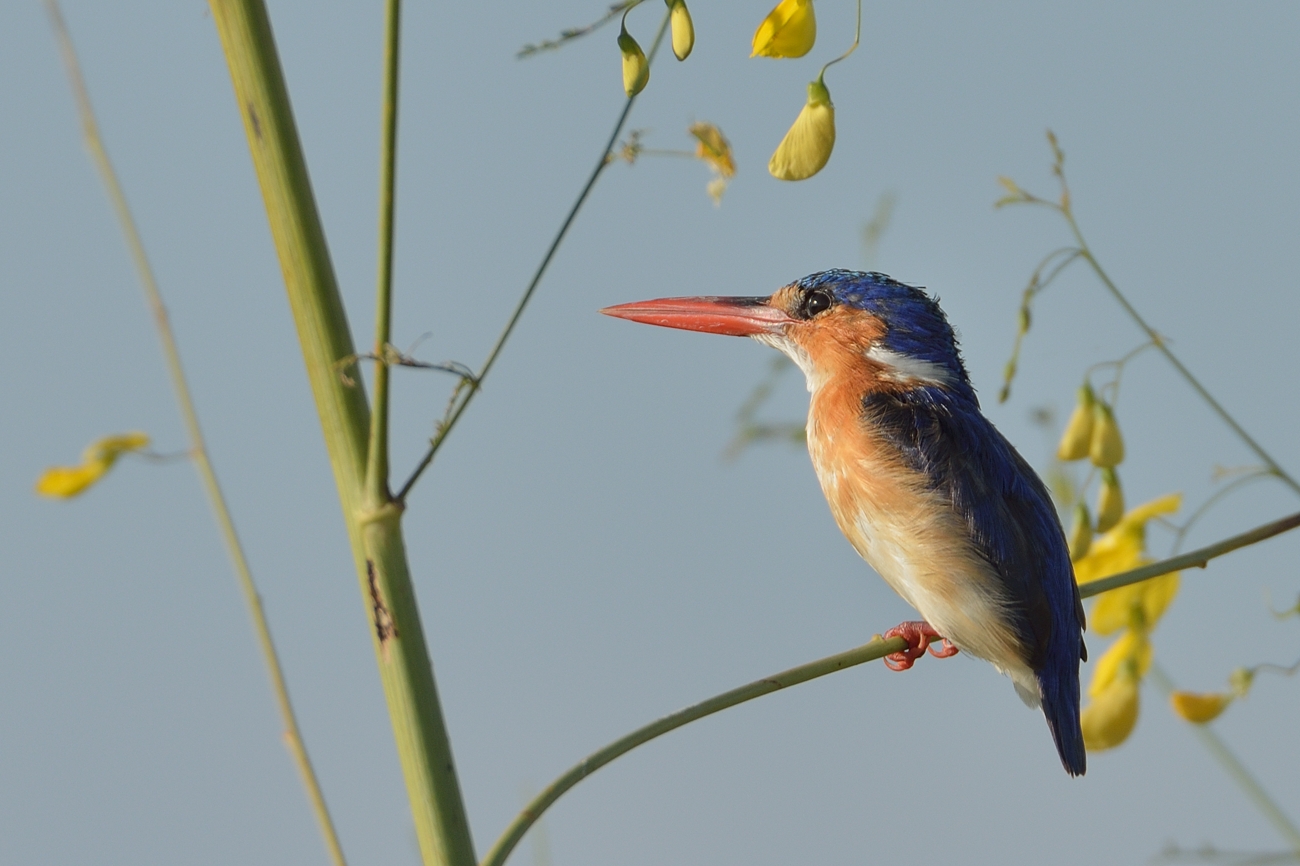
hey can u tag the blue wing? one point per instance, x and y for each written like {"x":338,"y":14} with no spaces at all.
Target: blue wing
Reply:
{"x":1012,"y":522}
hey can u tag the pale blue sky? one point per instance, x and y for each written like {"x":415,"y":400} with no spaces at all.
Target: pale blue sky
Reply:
{"x":584,"y":558}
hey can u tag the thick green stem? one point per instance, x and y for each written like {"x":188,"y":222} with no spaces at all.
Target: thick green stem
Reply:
{"x":198,"y":446}
{"x":373,"y":528}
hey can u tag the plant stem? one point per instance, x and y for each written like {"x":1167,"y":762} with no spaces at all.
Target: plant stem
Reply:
{"x":374,"y":530}
{"x":1194,"y":558}
{"x":467,"y":390}
{"x":876,"y":648}
{"x":377,"y":456}
{"x":1237,"y":770}
{"x":1164,"y":349}
{"x":198,"y":450}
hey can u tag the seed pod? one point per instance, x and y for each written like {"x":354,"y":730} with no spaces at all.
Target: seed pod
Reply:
{"x":1078,"y":432}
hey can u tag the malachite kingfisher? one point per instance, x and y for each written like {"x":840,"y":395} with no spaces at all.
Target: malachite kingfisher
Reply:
{"x":926,"y":489}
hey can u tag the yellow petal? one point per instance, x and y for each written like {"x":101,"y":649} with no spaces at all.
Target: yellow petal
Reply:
{"x":1139,"y":605}
{"x":1111,"y":716}
{"x":68,"y":481}
{"x":1128,"y":656}
{"x":789,"y":30}
{"x":1200,"y":708}
{"x":64,"y":482}
{"x":1107,"y":446}
{"x":1080,"y":532}
{"x":683,"y":29}
{"x":1110,"y":501}
{"x":636,"y":69}
{"x":807,"y":147}
{"x":1121,"y":548}
{"x":713,"y":148}
{"x":1078,"y":431}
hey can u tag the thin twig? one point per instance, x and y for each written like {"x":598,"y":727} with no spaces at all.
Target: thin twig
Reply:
{"x":464,"y":393}
{"x":198,"y":448}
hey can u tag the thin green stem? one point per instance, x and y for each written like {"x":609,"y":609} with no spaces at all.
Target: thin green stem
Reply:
{"x":1191,"y":559}
{"x":464,"y":394}
{"x":1181,"y":533}
{"x":198,"y":447}
{"x":857,"y":37}
{"x":1164,"y":349}
{"x":379,"y":554}
{"x":377,"y":454}
{"x":876,"y":648}
{"x":1237,"y":770}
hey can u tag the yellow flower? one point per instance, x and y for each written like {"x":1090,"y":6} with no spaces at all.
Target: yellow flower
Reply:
{"x":64,"y":482}
{"x":1122,"y":547}
{"x":789,"y":30}
{"x":683,"y":29}
{"x":636,"y":69}
{"x":1200,"y":708}
{"x":713,"y":148}
{"x":1131,"y":654}
{"x":1107,"y":446}
{"x":1110,"y":718}
{"x":806,"y":148}
{"x":1110,"y":501}
{"x":1080,"y":532}
{"x":1078,"y":431}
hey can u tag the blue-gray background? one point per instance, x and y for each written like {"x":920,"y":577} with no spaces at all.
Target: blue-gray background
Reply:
{"x":584,"y":558}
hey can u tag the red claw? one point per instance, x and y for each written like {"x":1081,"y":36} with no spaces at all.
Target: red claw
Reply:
{"x":918,"y":635}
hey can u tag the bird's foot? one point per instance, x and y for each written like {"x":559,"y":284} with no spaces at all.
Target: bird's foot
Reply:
{"x":918,"y":635}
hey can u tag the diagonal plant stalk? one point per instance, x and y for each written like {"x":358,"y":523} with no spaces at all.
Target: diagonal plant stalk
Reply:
{"x":1234,"y":768}
{"x":373,"y":522}
{"x":875,"y":649}
{"x":198,"y":451}
{"x":469,"y":387}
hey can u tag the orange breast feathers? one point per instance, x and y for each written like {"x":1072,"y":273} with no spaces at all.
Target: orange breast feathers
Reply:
{"x":903,"y":526}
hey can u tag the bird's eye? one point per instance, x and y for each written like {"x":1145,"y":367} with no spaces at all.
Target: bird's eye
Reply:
{"x":815,"y":302}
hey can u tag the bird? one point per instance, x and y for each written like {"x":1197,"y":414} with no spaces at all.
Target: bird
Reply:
{"x":920,"y":482}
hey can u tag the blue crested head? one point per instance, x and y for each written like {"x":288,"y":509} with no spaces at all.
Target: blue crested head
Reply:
{"x":915,"y":326}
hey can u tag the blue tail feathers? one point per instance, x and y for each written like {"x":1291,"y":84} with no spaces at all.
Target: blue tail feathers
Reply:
{"x":1060,"y":692}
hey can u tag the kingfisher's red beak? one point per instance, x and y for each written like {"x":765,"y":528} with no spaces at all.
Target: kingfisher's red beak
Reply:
{"x":735,"y":317}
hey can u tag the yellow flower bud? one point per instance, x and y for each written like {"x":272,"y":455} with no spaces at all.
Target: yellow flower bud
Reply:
{"x":1080,"y":532}
{"x":636,"y":69}
{"x":806,"y":148}
{"x":1110,"y":718}
{"x":789,"y":30}
{"x":1106,"y":447}
{"x":64,"y":482}
{"x":1240,"y":681}
{"x":683,"y":29}
{"x":1078,"y":432}
{"x":1110,"y":501}
{"x":1200,"y":708}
